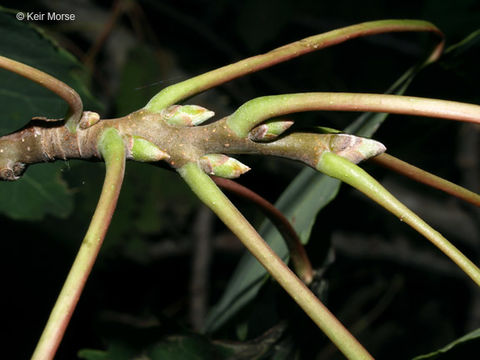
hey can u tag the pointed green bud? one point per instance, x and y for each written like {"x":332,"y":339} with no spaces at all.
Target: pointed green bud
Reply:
{"x":141,"y":149}
{"x":355,"y":148}
{"x":186,"y":115}
{"x":269,"y":130}
{"x":222,"y":165}
{"x":89,"y":118}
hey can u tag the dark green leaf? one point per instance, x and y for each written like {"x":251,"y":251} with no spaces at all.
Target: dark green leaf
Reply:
{"x":187,"y":348}
{"x":41,"y":190}
{"x":116,"y":351}
{"x":455,"y":349}
{"x":184,"y":346}
{"x":20,"y":98}
{"x":89,"y":354}
{"x":139,"y":72}
{"x":465,"y":45}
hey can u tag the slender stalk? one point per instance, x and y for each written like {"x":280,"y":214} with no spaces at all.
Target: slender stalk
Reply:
{"x":112,"y":148}
{"x":204,"y":187}
{"x":177,"y":92}
{"x":337,"y":167}
{"x":427,"y":178}
{"x":51,"y":83}
{"x":298,"y":255}
{"x":255,"y":111}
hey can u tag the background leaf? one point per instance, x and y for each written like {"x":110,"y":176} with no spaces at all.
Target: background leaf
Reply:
{"x":41,"y":191}
{"x":461,"y":348}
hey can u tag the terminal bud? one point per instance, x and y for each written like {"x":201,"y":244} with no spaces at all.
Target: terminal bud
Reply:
{"x":355,"y":148}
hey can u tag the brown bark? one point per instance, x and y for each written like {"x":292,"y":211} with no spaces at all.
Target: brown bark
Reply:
{"x":44,"y":141}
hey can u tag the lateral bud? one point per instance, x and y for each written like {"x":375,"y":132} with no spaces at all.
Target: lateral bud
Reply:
{"x":89,"y":118}
{"x":186,"y":115}
{"x":140,"y":149}
{"x":222,"y":166}
{"x":269,"y":130}
{"x":355,"y":148}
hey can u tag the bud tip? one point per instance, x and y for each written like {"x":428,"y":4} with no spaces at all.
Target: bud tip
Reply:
{"x":222,"y":166}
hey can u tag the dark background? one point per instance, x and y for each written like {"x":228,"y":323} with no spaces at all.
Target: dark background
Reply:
{"x":397,"y":293}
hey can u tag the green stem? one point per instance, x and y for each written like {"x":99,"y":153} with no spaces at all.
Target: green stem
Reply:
{"x":175,"y":93}
{"x":298,"y":255}
{"x":51,"y":83}
{"x":337,"y":167}
{"x":427,"y":178}
{"x":262,"y":108}
{"x":204,"y":187}
{"x":415,"y":173}
{"x":112,"y":148}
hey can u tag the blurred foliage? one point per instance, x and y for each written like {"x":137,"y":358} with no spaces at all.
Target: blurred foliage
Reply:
{"x":41,"y":191}
{"x":150,"y":342}
{"x":461,"y":348}
{"x":397,"y":306}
